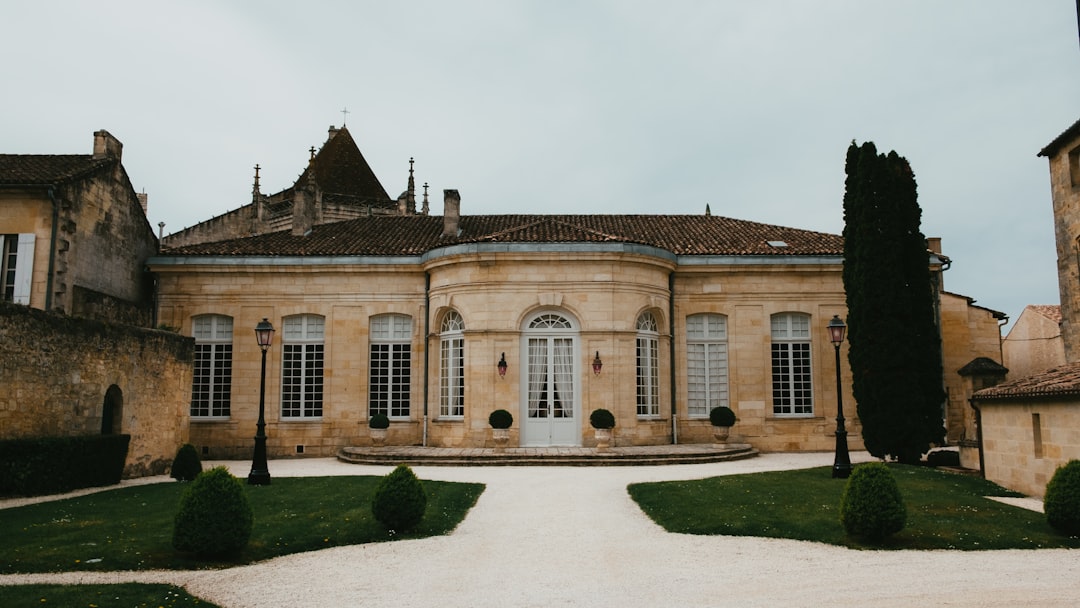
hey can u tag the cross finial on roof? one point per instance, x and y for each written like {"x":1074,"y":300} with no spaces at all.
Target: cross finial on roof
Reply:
{"x":312,"y":153}
{"x":344,"y":115}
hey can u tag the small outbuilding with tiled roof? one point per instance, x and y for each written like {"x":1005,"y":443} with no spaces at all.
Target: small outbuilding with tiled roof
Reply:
{"x":1030,"y":427}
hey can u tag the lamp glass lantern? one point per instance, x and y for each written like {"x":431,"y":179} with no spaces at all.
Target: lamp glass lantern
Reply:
{"x":597,"y":364}
{"x":502,"y":365}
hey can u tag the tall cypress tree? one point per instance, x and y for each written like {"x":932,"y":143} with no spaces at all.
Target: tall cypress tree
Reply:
{"x":894,"y":345}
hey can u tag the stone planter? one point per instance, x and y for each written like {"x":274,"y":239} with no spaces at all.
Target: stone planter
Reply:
{"x":720,"y":434}
{"x":501,"y":437}
{"x":603,"y":440}
{"x":378,"y":437}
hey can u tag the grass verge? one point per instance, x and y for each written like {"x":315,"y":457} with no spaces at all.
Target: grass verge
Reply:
{"x":131,"y":528}
{"x":945,"y":510}
{"x":93,"y":596}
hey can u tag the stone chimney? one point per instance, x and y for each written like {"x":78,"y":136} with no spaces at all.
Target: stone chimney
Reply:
{"x":933,"y":243}
{"x":142,"y":200}
{"x":451,"y":212}
{"x":107,"y":146}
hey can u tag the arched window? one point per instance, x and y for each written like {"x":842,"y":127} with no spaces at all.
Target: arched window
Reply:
{"x":302,"y":366}
{"x":390,"y":378}
{"x":452,"y":366}
{"x":792,"y":380}
{"x":211,"y":383}
{"x":706,"y":364}
{"x":648,"y":367}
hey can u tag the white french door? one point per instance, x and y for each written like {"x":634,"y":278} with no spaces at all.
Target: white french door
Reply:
{"x":551,"y":410}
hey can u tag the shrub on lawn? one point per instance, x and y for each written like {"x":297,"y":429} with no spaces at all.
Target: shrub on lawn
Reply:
{"x":943,"y":458}
{"x":51,"y":465}
{"x":215,"y":516}
{"x":187,"y":465}
{"x":871,"y":506}
{"x":400,"y":501}
{"x":1061,"y":503}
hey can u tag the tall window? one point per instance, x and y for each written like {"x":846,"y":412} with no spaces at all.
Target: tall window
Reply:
{"x":648,"y":368}
{"x":452,"y":366}
{"x":16,"y":264}
{"x":706,"y":363}
{"x":211,"y":386}
{"x":792,"y":385}
{"x":391,"y":359}
{"x":302,"y":366}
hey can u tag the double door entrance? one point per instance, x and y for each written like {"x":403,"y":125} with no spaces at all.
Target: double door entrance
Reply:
{"x":551,"y":404}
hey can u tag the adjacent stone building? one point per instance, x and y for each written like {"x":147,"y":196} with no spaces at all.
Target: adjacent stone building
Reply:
{"x":1034,"y":343}
{"x":1030,"y":425}
{"x":74,"y":234}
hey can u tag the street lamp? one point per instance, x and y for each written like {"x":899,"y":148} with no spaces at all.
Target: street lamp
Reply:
{"x":260,"y":473}
{"x":842,"y":461}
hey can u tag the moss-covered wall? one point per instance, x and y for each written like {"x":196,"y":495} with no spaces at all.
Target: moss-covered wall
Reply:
{"x":56,"y":373}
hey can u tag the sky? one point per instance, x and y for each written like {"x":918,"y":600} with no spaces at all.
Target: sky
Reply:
{"x":552,"y":106}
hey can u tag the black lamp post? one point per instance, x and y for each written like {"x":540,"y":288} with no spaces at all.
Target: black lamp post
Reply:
{"x":260,"y":473}
{"x":842,"y":461}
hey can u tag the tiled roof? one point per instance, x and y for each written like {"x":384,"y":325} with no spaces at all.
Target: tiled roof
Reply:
{"x":1052,"y":147}
{"x":1063,"y":381}
{"x":1050,"y":311}
{"x":43,"y":169}
{"x":417,"y":234}
{"x":340,"y":168}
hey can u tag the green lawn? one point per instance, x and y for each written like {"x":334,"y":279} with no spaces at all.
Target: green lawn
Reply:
{"x":945,"y":510}
{"x":131,"y":528}
{"x":132,"y":595}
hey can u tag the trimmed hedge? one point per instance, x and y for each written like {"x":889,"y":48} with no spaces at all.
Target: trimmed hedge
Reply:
{"x":215,"y":516}
{"x":52,"y":465}
{"x":187,"y":465}
{"x":871,"y":506}
{"x":400,"y":500}
{"x":1061,"y":503}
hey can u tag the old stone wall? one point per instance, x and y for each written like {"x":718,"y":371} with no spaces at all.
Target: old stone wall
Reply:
{"x":1026,"y":441}
{"x":967,"y":333}
{"x":1065,"y":193}
{"x":62,"y":376}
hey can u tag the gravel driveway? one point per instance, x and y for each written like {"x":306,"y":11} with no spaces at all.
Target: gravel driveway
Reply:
{"x":571,"y":536}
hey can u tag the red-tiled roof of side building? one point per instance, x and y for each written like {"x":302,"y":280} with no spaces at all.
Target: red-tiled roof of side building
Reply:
{"x":417,"y":234}
{"x":1063,"y":381}
{"x":1050,"y":311}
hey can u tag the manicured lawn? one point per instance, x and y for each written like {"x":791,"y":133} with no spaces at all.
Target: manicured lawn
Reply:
{"x":131,"y":528}
{"x":132,"y":595}
{"x":945,"y":510}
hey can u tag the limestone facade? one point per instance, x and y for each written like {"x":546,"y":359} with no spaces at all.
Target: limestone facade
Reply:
{"x":1026,"y":440}
{"x":968,"y":332}
{"x":497,"y":290}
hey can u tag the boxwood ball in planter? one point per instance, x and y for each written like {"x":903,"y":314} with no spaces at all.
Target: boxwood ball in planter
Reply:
{"x":722,"y":416}
{"x":379,"y":421}
{"x":500,"y":419}
{"x":602,"y":419}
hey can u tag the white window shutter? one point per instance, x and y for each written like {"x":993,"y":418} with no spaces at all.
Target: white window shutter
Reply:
{"x":24,"y":268}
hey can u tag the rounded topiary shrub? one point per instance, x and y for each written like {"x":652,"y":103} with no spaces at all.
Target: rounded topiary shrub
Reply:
{"x":871,"y":506}
{"x":215,"y":515}
{"x":722,"y":416}
{"x":500,"y":419}
{"x":1061,"y":503}
{"x":379,"y":421}
{"x":602,"y":419}
{"x":400,"y":501}
{"x":187,"y":465}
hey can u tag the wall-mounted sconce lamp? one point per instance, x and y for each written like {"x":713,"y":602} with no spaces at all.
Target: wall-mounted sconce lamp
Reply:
{"x":502,"y":365}
{"x":597,"y":364}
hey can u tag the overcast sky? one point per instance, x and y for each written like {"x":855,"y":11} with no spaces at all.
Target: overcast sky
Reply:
{"x":577,"y":107}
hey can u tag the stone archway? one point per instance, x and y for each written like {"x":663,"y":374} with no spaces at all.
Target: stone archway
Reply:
{"x":112,"y":411}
